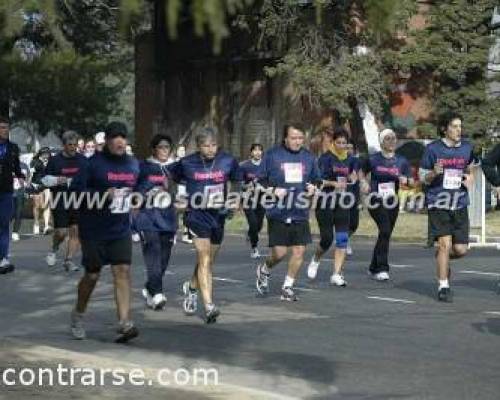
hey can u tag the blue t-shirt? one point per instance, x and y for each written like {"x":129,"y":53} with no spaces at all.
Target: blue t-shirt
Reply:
{"x":101,"y":172}
{"x":61,"y":165}
{"x":250,"y":170}
{"x":206,"y":180}
{"x":153,"y":216}
{"x":333,"y":169}
{"x":385,"y":172}
{"x":455,"y":161}
{"x":283,"y":168}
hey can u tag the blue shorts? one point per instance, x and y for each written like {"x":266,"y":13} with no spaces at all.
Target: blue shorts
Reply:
{"x":206,"y":225}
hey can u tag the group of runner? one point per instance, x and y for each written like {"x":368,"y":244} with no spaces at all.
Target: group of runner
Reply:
{"x":281,"y":184}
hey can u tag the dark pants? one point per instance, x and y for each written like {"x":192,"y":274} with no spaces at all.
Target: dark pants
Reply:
{"x":6,"y":210}
{"x":331,"y":221}
{"x":156,"y":249}
{"x":255,"y":219}
{"x":385,"y":218}
{"x":353,"y":219}
{"x":18,"y":210}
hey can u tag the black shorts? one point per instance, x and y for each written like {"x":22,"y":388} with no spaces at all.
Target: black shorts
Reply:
{"x":287,"y":235}
{"x":97,"y":253}
{"x":199,"y":231}
{"x":453,"y":223}
{"x":64,"y":218}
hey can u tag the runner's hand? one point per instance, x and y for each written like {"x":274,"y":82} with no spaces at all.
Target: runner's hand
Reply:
{"x":438,"y":169}
{"x":280,"y":193}
{"x":311,"y":189}
{"x":365,"y":187}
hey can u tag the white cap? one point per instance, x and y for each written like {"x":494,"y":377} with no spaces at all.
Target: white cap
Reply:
{"x":100,"y":138}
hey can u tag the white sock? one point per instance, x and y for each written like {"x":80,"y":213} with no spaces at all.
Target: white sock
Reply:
{"x":209,"y":307}
{"x":288,"y":282}
{"x":443,"y":283}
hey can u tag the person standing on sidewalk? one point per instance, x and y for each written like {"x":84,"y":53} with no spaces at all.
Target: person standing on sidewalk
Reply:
{"x":10,"y":167}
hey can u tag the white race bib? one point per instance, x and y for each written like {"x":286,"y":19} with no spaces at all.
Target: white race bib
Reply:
{"x":293,"y":172}
{"x":387,"y":189}
{"x":121,"y":201}
{"x":214,"y":194}
{"x":452,"y":179}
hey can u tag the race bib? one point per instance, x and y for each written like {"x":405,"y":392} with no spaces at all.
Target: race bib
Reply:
{"x":293,"y":172}
{"x":387,"y":189}
{"x":341,"y":179}
{"x":121,"y":201}
{"x":214,"y":194}
{"x":17,"y":184}
{"x":452,"y":179}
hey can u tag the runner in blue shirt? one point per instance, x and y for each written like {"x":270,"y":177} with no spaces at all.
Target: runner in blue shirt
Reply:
{"x":206,"y":175}
{"x":387,"y":172}
{"x":254,"y":215}
{"x":338,"y":172}
{"x":290,"y":174}
{"x":445,"y":168}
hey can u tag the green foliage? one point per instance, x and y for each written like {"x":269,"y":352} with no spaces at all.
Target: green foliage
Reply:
{"x":454,"y":50}
{"x":61,"y":90}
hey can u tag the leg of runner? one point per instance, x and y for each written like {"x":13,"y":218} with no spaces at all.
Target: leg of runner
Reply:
{"x":18,"y":215}
{"x":6,"y":210}
{"x":121,"y":277}
{"x":264,"y":269}
{"x":71,"y":249}
{"x":444,"y":247}
{"x":324,"y":216}
{"x":85,"y":288}
{"x":156,"y":252}
{"x":36,"y":213}
{"x":58,"y":237}
{"x":385,"y":219}
{"x":253,"y":231}
{"x":46,"y":210}
{"x":294,"y":264}
{"x":353,"y":225}
{"x":341,"y":223}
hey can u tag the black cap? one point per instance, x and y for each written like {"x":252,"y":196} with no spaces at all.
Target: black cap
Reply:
{"x":115,"y":129}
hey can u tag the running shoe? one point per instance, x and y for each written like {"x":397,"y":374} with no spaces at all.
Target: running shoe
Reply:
{"x":444,"y":294}
{"x":77,"y":329}
{"x":15,"y":237}
{"x":70,"y":266}
{"x":158,"y":302}
{"x":127,"y":331}
{"x":190,"y":299}
{"x":262,"y":281}
{"x":287,"y":294}
{"x":51,"y":259}
{"x":136,"y":238}
{"x":380,"y":276}
{"x":255,"y":253}
{"x":186,"y":239}
{"x":36,"y":229}
{"x":338,"y":280}
{"x":348,"y":250}
{"x":211,"y":314}
{"x":312,"y":269}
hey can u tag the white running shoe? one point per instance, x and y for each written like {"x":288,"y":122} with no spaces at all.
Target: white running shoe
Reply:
{"x":380,"y":276}
{"x":46,"y":230}
{"x":338,"y":280}
{"x":69,"y":266}
{"x":262,"y":281}
{"x":4,"y":263}
{"x":348,"y":250}
{"x":186,"y":239}
{"x":312,"y":269}
{"x":190,"y":303}
{"x":36,"y":229}
{"x":159,"y":301}
{"x":147,"y":298}
{"x":15,"y":237}
{"x":51,"y":259}
{"x":136,"y":238}
{"x":255,"y":253}
{"x":77,"y":329}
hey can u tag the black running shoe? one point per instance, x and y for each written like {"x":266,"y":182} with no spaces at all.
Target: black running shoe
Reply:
{"x":126,"y":332}
{"x":7,"y":269}
{"x":444,"y":294}
{"x":211,"y":315}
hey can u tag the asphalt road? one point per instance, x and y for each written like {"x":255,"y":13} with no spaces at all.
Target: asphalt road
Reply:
{"x":367,"y":341}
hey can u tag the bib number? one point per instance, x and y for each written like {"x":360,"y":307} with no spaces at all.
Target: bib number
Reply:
{"x":452,"y":179}
{"x":121,"y":201}
{"x":293,"y":173}
{"x":386,"y":189}
{"x":214,"y":194}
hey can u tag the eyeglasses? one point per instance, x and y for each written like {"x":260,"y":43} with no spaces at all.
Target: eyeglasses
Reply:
{"x":390,"y":139}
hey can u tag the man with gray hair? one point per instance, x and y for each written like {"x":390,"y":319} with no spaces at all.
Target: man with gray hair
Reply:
{"x":59,"y":173}
{"x":206,"y":174}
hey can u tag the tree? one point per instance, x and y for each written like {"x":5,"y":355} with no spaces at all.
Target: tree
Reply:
{"x":451,"y":53}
